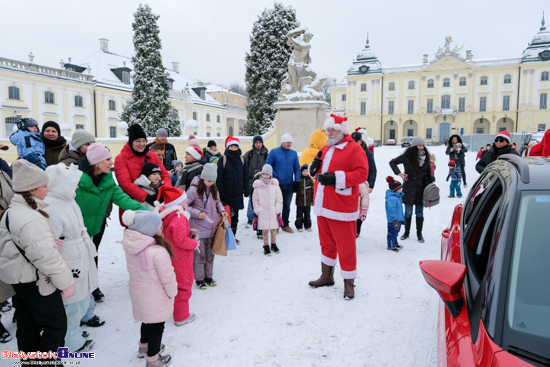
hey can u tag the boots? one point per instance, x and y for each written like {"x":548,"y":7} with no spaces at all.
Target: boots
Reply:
{"x":267,"y":251}
{"x":274,"y":248}
{"x":349,"y":292}
{"x":142,"y":351}
{"x":326,"y":278}
{"x":407,"y":228}
{"x":419,"y":225}
{"x":158,"y":360}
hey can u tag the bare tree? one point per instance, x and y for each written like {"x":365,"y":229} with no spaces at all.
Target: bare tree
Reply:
{"x":238,"y":88}
{"x":325,"y":88}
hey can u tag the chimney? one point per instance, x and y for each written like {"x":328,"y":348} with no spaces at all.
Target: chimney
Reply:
{"x":425,"y":59}
{"x":104,"y":44}
{"x":176,"y":66}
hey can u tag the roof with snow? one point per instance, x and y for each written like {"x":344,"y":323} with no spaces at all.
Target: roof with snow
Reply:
{"x":539,"y":48}
{"x":366,"y":62}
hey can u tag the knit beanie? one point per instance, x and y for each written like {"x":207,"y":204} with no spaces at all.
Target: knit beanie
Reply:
{"x":161,"y":132}
{"x":257,"y":138}
{"x":452,"y":163}
{"x":135,"y":132}
{"x":142,"y":221}
{"x":24,"y":124}
{"x":175,"y":162}
{"x":286,"y":138}
{"x":267,"y":169}
{"x":209,"y":172}
{"x":149,"y":168}
{"x":195,"y":151}
{"x":193,"y":141}
{"x":304,"y":166}
{"x":214,"y":159}
{"x":417,"y":140}
{"x":27,"y":176}
{"x":97,"y":152}
{"x":393,"y":184}
{"x":356,"y":136}
{"x":211,"y":143}
{"x":81,"y":137}
{"x":53,"y":124}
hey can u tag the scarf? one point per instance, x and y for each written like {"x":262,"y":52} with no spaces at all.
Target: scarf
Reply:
{"x":421,"y":158}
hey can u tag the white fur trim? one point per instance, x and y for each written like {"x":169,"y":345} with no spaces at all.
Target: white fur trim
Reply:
{"x":177,"y":201}
{"x":178,"y":209}
{"x":362,"y":132}
{"x":156,"y":203}
{"x":327,"y":260}
{"x":340,"y":180}
{"x":193,"y":153}
{"x":505,"y":137}
{"x":128,"y":217}
{"x":348,"y":274}
{"x":233,"y":142}
{"x":343,"y":126}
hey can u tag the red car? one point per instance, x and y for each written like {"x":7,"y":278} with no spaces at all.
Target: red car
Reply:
{"x":494,"y":274}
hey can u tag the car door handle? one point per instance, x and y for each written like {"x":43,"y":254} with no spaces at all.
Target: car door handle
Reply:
{"x":446,"y":233}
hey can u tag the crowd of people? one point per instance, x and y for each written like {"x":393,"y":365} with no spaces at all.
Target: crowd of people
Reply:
{"x":61,"y":193}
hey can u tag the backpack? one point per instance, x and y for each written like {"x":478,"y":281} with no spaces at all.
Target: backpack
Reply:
{"x":6,"y":192}
{"x":431,"y":196}
{"x":225,"y":160}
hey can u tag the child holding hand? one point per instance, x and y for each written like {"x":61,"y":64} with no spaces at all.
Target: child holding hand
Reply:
{"x":394,"y":212}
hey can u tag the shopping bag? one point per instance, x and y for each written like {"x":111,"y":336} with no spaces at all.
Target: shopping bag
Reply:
{"x":228,"y":211}
{"x":230,"y":242}
{"x":218,"y":246}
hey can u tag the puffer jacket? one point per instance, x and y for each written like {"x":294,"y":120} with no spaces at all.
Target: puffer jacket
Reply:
{"x":304,"y":195}
{"x":232,"y":181}
{"x":394,"y":207}
{"x":212,"y":208}
{"x":317,"y":140}
{"x":491,"y":155}
{"x":454,"y":173}
{"x":364,"y":197}
{"x":33,"y":233}
{"x":153,"y":189}
{"x":268,"y":203}
{"x":286,"y":167}
{"x":66,"y":220}
{"x":457,"y":154}
{"x":69,"y":155}
{"x":153,"y":283}
{"x":27,"y":143}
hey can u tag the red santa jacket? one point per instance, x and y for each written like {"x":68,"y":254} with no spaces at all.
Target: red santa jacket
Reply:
{"x":348,"y":162}
{"x":541,"y":149}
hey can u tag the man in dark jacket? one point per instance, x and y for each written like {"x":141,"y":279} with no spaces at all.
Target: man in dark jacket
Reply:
{"x":455,"y":150}
{"x":169,"y":150}
{"x":255,"y":159}
{"x":194,"y":161}
{"x":372,"y":165}
{"x":53,"y":142}
{"x":501,"y":146}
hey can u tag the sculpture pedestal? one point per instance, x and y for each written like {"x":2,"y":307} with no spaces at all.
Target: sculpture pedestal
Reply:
{"x":299,"y":119}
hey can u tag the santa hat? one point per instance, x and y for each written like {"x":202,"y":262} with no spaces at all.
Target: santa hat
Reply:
{"x":504,"y":134}
{"x":394,"y":185}
{"x":368,"y":141}
{"x":172,"y":195}
{"x":230,"y":140}
{"x":337,"y":123}
{"x":195,"y":152}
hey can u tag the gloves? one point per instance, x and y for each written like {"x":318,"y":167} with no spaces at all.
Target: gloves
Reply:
{"x":68,"y":292}
{"x":327,"y":179}
{"x":150,"y":199}
{"x":363,"y":215}
{"x":395,"y":224}
{"x":314,"y":166}
{"x":295,"y":186}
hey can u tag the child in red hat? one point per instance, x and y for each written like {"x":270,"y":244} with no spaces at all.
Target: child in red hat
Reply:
{"x":456,"y":176}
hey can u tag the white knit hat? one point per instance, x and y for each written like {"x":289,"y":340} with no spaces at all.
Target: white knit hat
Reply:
{"x":209,"y":172}
{"x":27,"y":176}
{"x":286,"y":138}
{"x":142,"y":221}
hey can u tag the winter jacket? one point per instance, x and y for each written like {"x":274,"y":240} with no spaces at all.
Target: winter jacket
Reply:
{"x":27,"y":143}
{"x":286,"y":167}
{"x":454,"y":173}
{"x":479,"y":154}
{"x":372,"y":167}
{"x":457,"y":154}
{"x":69,"y":155}
{"x":4,"y":166}
{"x":491,"y":155}
{"x":232,"y":181}
{"x":93,"y":199}
{"x":364,"y":197}
{"x":169,"y":154}
{"x":33,"y":233}
{"x":317,"y":140}
{"x":212,"y":208}
{"x":348,"y":162}
{"x":304,"y":195}
{"x":152,"y":283}
{"x":208,"y":154}
{"x":541,"y":149}
{"x":78,"y":249}
{"x":394,"y":207}
{"x":153,"y":189}
{"x":417,"y":178}
{"x":53,"y":148}
{"x":6,"y":191}
{"x":188,"y":173}
{"x":268,"y":203}
{"x":255,"y":161}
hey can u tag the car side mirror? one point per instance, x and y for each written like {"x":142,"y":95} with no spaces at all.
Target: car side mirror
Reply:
{"x":447,"y":278}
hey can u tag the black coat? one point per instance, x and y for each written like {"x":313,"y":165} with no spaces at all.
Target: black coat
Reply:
{"x":492,"y":154}
{"x":458,"y":157}
{"x":169,"y":154}
{"x":255,"y":161}
{"x":417,"y":178}
{"x":232,"y":181}
{"x":372,"y":168}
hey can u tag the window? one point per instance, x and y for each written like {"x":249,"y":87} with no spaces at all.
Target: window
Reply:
{"x":392,"y":134}
{"x":218,"y":134}
{"x":49,"y":97}
{"x":364,"y":87}
{"x":343,"y":97}
{"x":391,"y":86}
{"x":507,"y":79}
{"x":544,"y":76}
{"x":218,"y":118}
{"x":483,"y":80}
{"x":126,"y":77}
{"x":506,"y":103}
{"x":411,"y":84}
{"x":543,"y":100}
{"x":112,"y":105}
{"x":410,"y":132}
{"x":207,"y":117}
{"x":462,"y":81}
{"x":11,"y":122}
{"x":171,"y":84}
{"x":390,"y":107}
{"x":13,"y":92}
{"x":482,"y":104}
{"x":77,"y":101}
{"x":363,"y":108}
{"x":410,"y":104}
{"x":429,"y":133}
{"x":207,"y":135}
{"x":501,"y":129}
{"x":430,"y":83}
{"x":461,"y":104}
{"x":446,"y":82}
{"x":112,"y":131}
{"x":542,"y":128}
{"x":430,"y":106}
{"x":479,"y":130}
{"x":445,"y":102}
{"x":79,"y":127}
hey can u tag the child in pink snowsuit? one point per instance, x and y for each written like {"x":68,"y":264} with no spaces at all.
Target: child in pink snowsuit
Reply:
{"x":175,"y":221}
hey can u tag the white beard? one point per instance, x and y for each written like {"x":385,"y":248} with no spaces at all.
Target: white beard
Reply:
{"x":336,"y":140}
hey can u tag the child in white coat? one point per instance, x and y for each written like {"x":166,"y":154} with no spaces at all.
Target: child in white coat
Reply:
{"x":268,"y":204}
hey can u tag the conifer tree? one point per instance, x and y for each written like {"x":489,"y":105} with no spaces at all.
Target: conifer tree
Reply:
{"x":149,"y":105}
{"x":266,"y":65}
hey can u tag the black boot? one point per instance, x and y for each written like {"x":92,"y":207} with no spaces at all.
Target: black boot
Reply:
{"x":274,"y":248}
{"x":267,"y":251}
{"x":4,"y":334}
{"x":419,"y":224}
{"x":407,"y":229}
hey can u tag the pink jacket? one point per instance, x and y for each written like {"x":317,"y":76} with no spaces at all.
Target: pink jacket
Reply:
{"x":268,"y":202}
{"x":152,"y":280}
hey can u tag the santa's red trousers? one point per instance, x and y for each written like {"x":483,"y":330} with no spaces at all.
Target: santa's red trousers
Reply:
{"x":338,"y":240}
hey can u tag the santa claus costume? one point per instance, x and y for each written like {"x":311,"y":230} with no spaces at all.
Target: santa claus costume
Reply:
{"x":338,"y":172}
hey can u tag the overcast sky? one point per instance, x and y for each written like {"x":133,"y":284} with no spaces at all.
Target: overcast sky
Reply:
{"x":210,"y":37}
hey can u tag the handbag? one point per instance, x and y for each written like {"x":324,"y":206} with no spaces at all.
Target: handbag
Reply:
{"x":230,"y":242}
{"x":218,"y":246}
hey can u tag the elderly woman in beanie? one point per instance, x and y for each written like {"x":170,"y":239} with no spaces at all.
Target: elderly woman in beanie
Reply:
{"x":28,"y":248}
{"x":501,"y":146}
{"x":417,"y":175}
{"x":53,"y":141}
{"x":77,"y":147}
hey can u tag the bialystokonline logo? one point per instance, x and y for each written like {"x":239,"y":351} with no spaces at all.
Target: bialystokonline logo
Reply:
{"x":61,"y":353}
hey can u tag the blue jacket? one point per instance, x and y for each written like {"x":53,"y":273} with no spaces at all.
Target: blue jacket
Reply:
{"x":394,"y":206}
{"x":27,"y":143}
{"x":285,"y":164}
{"x":455,"y":173}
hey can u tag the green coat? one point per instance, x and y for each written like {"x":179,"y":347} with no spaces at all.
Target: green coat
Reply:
{"x":93,"y":200}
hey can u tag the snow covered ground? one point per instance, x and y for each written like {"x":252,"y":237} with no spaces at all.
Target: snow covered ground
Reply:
{"x":263,"y":313}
